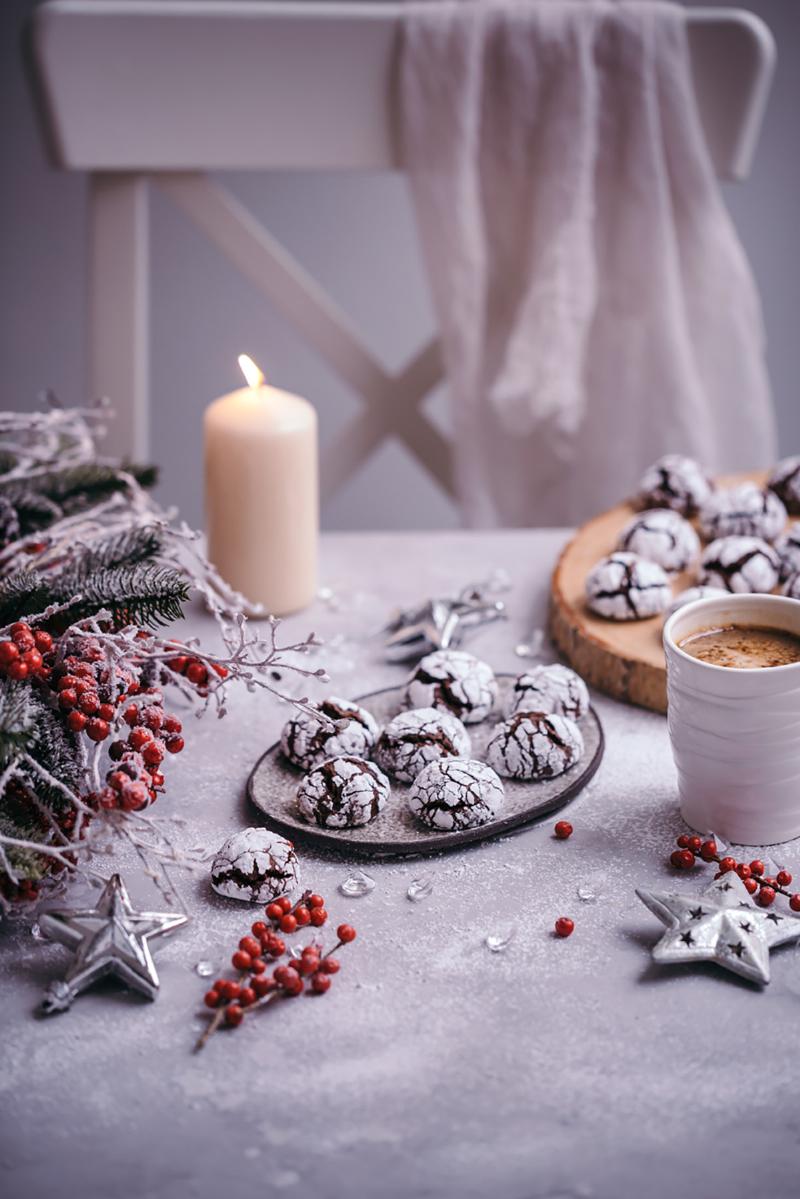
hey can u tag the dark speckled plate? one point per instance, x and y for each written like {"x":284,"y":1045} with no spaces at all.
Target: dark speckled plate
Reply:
{"x":394,"y":831}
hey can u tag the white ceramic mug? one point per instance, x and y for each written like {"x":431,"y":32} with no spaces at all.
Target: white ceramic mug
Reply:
{"x":735,"y":733}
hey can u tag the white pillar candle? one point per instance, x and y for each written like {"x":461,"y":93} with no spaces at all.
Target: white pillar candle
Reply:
{"x":262,"y":506}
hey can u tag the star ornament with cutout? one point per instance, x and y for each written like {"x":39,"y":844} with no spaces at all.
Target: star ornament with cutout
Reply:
{"x":112,"y":938}
{"x":722,"y":925}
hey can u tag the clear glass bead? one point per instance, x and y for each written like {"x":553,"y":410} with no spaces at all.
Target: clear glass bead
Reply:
{"x":357,"y":884}
{"x":419,"y":888}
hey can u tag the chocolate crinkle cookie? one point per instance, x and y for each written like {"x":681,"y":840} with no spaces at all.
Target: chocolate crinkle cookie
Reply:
{"x":255,"y":866}
{"x":743,"y":511}
{"x":785,"y":482}
{"x":534,"y":745}
{"x":792,"y":586}
{"x":627,"y":587}
{"x":695,"y":593}
{"x":455,"y":794}
{"x":453,"y":681}
{"x":553,"y":689}
{"x":308,"y":739}
{"x":343,"y":792}
{"x":787,"y":548}
{"x":740,"y":564}
{"x":675,"y":482}
{"x":661,"y":535}
{"x":414,"y":739}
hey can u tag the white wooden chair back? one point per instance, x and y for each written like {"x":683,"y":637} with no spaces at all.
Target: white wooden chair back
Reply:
{"x":134,"y":93}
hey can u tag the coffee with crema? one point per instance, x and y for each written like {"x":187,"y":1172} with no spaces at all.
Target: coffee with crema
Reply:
{"x":744,"y":647}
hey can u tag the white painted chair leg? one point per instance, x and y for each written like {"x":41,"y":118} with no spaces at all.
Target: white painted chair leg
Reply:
{"x":118,"y":308}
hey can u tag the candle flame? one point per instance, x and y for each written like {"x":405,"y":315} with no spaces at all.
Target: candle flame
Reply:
{"x":250,"y":371}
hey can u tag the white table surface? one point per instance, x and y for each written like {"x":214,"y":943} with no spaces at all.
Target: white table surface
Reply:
{"x":433,"y":1067}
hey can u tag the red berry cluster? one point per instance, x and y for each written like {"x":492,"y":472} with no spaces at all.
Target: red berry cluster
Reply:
{"x":195,"y":671}
{"x":135,"y":779}
{"x":751,"y":873}
{"x":23,"y":655}
{"x":254,"y":987}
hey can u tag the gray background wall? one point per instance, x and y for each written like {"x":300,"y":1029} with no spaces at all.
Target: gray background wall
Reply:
{"x":356,"y":235}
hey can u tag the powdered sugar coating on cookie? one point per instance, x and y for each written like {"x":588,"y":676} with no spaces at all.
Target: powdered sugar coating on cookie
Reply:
{"x":414,"y":739}
{"x":792,"y":586}
{"x":675,"y":482}
{"x":785,"y":482}
{"x":740,"y":564}
{"x":534,"y":745}
{"x":455,"y":794}
{"x":453,"y":681}
{"x":695,"y":593}
{"x":342,"y":792}
{"x":627,"y":587}
{"x":349,"y":729}
{"x":787,"y":548}
{"x":742,"y":511}
{"x":552,"y":689}
{"x":255,"y":865}
{"x":661,"y":535}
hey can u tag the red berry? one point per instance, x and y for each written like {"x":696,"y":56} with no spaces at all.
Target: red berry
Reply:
{"x":262,"y":985}
{"x":302,"y":915}
{"x":134,"y":796}
{"x":131,"y":715}
{"x":77,"y":722}
{"x":196,"y":673}
{"x":258,"y":966}
{"x":97,"y":730}
{"x":66,"y":699}
{"x":683,"y":841}
{"x":320,"y":983}
{"x":241,"y":960}
{"x":318,"y":917}
{"x":284,"y":903}
{"x":260,"y":929}
{"x":784,"y":878}
{"x":18,"y":628}
{"x":766,"y":896}
{"x":751,"y":884}
{"x":178,"y":664}
{"x":43,"y":641}
{"x":138,"y":738}
{"x":563,"y":830}
{"x":307,"y":965}
{"x":32,"y":659}
{"x":18,"y":670}
{"x":106,"y":711}
{"x":794,"y":903}
{"x":288,"y":923}
{"x":295,"y":987}
{"x":233,"y":1015}
{"x":67,"y":682}
{"x":284,"y":975}
{"x":686,"y":859}
{"x":274,"y":911}
{"x":727,"y":864}
{"x":247,"y":996}
{"x":175,"y":744}
{"x":316,"y":901}
{"x":153,"y":753}
{"x":276,"y":948}
{"x":743,"y":870}
{"x":88,"y":702}
{"x":329,"y":966}
{"x":211,"y":998}
{"x":250,"y":945}
{"x":9,"y":652}
{"x":116,"y":749}
{"x":346,"y":933}
{"x":172,"y":725}
{"x":564,"y":926}
{"x":695,"y":844}
{"x":757,"y":866}
{"x":117,"y":779}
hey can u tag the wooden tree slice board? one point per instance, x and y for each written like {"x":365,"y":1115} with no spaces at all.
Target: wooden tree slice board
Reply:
{"x":624,"y":659}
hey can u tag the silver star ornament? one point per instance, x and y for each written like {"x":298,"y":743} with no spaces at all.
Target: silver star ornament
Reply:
{"x":722,"y":925}
{"x":112,"y":938}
